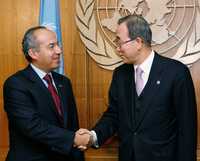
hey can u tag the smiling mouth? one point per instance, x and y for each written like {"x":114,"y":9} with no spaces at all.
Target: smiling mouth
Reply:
{"x":56,"y":58}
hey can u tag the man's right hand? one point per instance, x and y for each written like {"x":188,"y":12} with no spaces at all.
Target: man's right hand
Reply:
{"x":83,"y":139}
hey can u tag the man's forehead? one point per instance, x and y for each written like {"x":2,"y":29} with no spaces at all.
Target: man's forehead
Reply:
{"x":122,"y":30}
{"x":122,"y":27}
{"x":44,"y":31}
{"x":45,"y":36}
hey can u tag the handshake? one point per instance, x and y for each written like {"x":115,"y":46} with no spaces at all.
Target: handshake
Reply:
{"x":83,"y":139}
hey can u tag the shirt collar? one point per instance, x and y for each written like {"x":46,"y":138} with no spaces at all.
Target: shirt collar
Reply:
{"x":39,"y":72}
{"x":146,"y":65}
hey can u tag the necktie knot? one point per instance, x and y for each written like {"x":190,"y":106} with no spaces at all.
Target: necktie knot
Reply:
{"x":139,"y":72}
{"x":48,"y":78}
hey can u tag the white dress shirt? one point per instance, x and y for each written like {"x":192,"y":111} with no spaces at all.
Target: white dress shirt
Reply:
{"x":42,"y":74}
{"x":146,"y":67}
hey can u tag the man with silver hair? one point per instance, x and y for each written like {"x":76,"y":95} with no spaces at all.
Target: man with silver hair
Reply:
{"x":152,"y":104}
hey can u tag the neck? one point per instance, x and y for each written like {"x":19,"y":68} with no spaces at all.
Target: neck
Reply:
{"x":41,"y":67}
{"x":144,"y":53}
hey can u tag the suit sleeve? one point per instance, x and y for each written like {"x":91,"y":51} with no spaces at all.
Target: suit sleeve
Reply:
{"x":185,"y":104}
{"x":108,"y":123}
{"x":23,"y":116}
{"x":73,"y":122}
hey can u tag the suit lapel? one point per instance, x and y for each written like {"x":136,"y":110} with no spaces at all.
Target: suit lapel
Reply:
{"x":32,"y":75}
{"x":39,"y":85}
{"x":129,"y":85}
{"x":151,"y":87}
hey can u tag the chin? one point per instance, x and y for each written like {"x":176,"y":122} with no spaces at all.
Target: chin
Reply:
{"x":55,"y":67}
{"x":126,"y":62}
{"x":57,"y":64}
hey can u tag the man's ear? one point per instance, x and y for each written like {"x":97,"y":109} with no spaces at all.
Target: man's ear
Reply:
{"x":139,"y":42}
{"x":33,"y":53}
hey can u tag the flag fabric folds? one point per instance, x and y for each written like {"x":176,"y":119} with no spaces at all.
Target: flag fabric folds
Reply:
{"x":50,"y":17}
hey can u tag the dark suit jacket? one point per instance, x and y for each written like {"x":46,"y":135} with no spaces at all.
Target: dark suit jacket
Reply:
{"x":36,"y":134}
{"x":165,"y":129}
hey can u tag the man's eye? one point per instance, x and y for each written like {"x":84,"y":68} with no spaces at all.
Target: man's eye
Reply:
{"x":51,"y":46}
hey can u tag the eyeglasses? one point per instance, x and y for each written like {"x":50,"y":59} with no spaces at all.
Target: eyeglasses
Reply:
{"x":119,"y":43}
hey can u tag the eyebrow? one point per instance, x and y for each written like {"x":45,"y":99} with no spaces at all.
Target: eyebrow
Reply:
{"x":53,"y":43}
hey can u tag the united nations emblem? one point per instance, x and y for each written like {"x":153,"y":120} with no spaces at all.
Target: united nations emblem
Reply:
{"x":175,"y":25}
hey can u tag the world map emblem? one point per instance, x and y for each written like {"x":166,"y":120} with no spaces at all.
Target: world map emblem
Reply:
{"x":175,"y":26}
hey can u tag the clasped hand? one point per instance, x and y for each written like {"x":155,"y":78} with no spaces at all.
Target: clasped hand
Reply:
{"x":83,"y":139}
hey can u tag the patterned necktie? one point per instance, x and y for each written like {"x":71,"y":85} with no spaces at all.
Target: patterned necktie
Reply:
{"x":139,"y":81}
{"x":54,"y":94}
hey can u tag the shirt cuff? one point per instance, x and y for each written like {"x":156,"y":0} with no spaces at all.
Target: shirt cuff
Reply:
{"x":94,"y":139}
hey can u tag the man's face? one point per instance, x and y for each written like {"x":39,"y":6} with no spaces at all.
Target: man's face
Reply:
{"x":127,"y":49}
{"x":47,"y":56}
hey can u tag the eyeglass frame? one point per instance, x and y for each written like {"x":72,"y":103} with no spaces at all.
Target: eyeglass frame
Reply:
{"x":120,"y":44}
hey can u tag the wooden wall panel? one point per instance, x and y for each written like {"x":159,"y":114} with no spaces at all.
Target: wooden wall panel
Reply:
{"x":195,"y":71}
{"x":74,"y":58}
{"x":16,"y":16}
{"x":90,"y":82}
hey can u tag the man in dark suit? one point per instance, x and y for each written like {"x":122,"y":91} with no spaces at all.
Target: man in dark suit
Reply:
{"x":152,"y":103}
{"x":42,"y":124}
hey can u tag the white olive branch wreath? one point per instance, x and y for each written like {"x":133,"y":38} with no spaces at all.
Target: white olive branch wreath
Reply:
{"x":97,"y":47}
{"x":104,"y":54}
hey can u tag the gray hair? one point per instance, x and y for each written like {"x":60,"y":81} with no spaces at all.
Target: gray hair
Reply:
{"x":137,"y":27}
{"x":29,"y":41}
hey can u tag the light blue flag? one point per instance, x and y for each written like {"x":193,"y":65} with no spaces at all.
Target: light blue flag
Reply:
{"x":50,"y":17}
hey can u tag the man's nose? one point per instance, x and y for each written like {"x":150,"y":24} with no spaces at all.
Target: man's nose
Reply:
{"x":118,"y":48}
{"x":58,"y":49}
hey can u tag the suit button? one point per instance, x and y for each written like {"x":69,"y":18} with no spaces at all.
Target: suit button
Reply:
{"x":135,"y":133}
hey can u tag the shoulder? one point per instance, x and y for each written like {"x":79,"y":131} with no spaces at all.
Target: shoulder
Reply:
{"x":16,"y":78}
{"x":170,"y":64}
{"x":124,"y":68}
{"x":122,"y":72}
